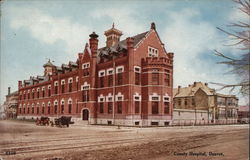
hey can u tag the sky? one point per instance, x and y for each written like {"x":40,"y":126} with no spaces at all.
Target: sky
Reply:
{"x":33,"y":31}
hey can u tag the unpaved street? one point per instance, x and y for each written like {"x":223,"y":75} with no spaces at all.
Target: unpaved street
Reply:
{"x":26,"y":141}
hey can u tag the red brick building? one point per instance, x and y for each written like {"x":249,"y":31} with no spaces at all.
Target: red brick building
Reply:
{"x":127,"y":82}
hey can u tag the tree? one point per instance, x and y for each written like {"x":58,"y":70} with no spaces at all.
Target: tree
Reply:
{"x":241,"y":38}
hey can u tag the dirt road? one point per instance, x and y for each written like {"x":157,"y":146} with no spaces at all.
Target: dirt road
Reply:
{"x":26,"y":141}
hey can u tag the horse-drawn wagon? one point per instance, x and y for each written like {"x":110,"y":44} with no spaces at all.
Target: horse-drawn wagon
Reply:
{"x":42,"y":121}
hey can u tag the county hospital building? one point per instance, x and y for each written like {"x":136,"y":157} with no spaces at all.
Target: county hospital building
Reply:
{"x":127,"y":82}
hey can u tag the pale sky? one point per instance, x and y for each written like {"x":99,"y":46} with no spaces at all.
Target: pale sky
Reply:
{"x":32,"y":31}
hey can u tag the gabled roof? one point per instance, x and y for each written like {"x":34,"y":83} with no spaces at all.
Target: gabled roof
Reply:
{"x":192,"y":89}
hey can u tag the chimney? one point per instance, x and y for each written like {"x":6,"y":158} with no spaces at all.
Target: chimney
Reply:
{"x":8,"y":91}
{"x":130,"y":43}
{"x":93,"y":41}
{"x":206,"y":84}
{"x":19,"y":84}
{"x":153,"y":26}
{"x":179,"y":89}
{"x":194,"y":84}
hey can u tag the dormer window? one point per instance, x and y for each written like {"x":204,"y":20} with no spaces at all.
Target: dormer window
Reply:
{"x":152,"y":52}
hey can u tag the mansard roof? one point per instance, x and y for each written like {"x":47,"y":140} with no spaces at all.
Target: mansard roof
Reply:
{"x":48,"y":64}
{"x":109,"y":52}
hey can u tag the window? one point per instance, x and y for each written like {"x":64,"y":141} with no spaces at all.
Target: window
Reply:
{"x":101,"y":73}
{"x":179,"y":102}
{"x":167,"y":78}
{"x":33,"y":94}
{"x":62,"y":107}
{"x":55,"y":109}
{"x":28,"y":110}
{"x":110,"y":107}
{"x":38,"y":93}
{"x":155,"y":77}
{"x":77,"y":84}
{"x":48,"y":108}
{"x":85,"y":68}
{"x":49,"y":90}
{"x":137,"y":106}
{"x":69,"y":106}
{"x":28,"y":95}
{"x":110,"y":71}
{"x":166,"y":107}
{"x":85,"y":92}
{"x":43,"y":92}
{"x":70,"y":85}
{"x":101,"y":82}
{"x":56,"y":87}
{"x":155,"y":109}
{"x":62,"y":85}
{"x":110,"y":80}
{"x":137,"y":70}
{"x":24,"y":96}
{"x":32,"y":109}
{"x":193,"y":101}
{"x":43,"y":108}
{"x":119,"y":71}
{"x":186,"y":102}
{"x":152,"y":52}
{"x":37,"y":109}
{"x":119,"y":107}
{"x":119,"y":79}
{"x":23,"y":110}
{"x":101,"y":107}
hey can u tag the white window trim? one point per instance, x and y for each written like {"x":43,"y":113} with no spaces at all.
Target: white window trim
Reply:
{"x":110,"y":69}
{"x":70,"y":79}
{"x":164,"y":98}
{"x":154,"y":95}
{"x":109,"y":96}
{"x":137,"y":95}
{"x":43,"y":88}
{"x":62,"y":101}
{"x":85,"y":65}
{"x":137,"y":67}
{"x":62,"y":81}
{"x":49,"y":103}
{"x":28,"y":91}
{"x":70,"y":101}
{"x":55,"y":102}
{"x":33,"y":90}
{"x":38,"y":89}
{"x":49,"y":86}
{"x":156,"y":54}
{"x":85,"y":86}
{"x":119,"y":67}
{"x":101,"y":72}
{"x":118,"y":96}
{"x":56,"y":83}
{"x":101,"y":98}
{"x":77,"y":79}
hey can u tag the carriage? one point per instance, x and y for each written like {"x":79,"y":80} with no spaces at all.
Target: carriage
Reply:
{"x":42,"y":121}
{"x":62,"y":121}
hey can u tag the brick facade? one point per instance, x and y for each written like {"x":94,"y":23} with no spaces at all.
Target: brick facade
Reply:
{"x":127,"y":82}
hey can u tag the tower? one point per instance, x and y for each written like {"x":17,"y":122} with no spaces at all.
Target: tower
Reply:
{"x":113,"y":36}
{"x":48,"y":68}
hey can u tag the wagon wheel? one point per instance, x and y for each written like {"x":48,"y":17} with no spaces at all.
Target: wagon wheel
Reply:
{"x":60,"y":124}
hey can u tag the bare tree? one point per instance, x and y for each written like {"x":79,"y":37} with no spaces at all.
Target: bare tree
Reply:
{"x":241,"y":38}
